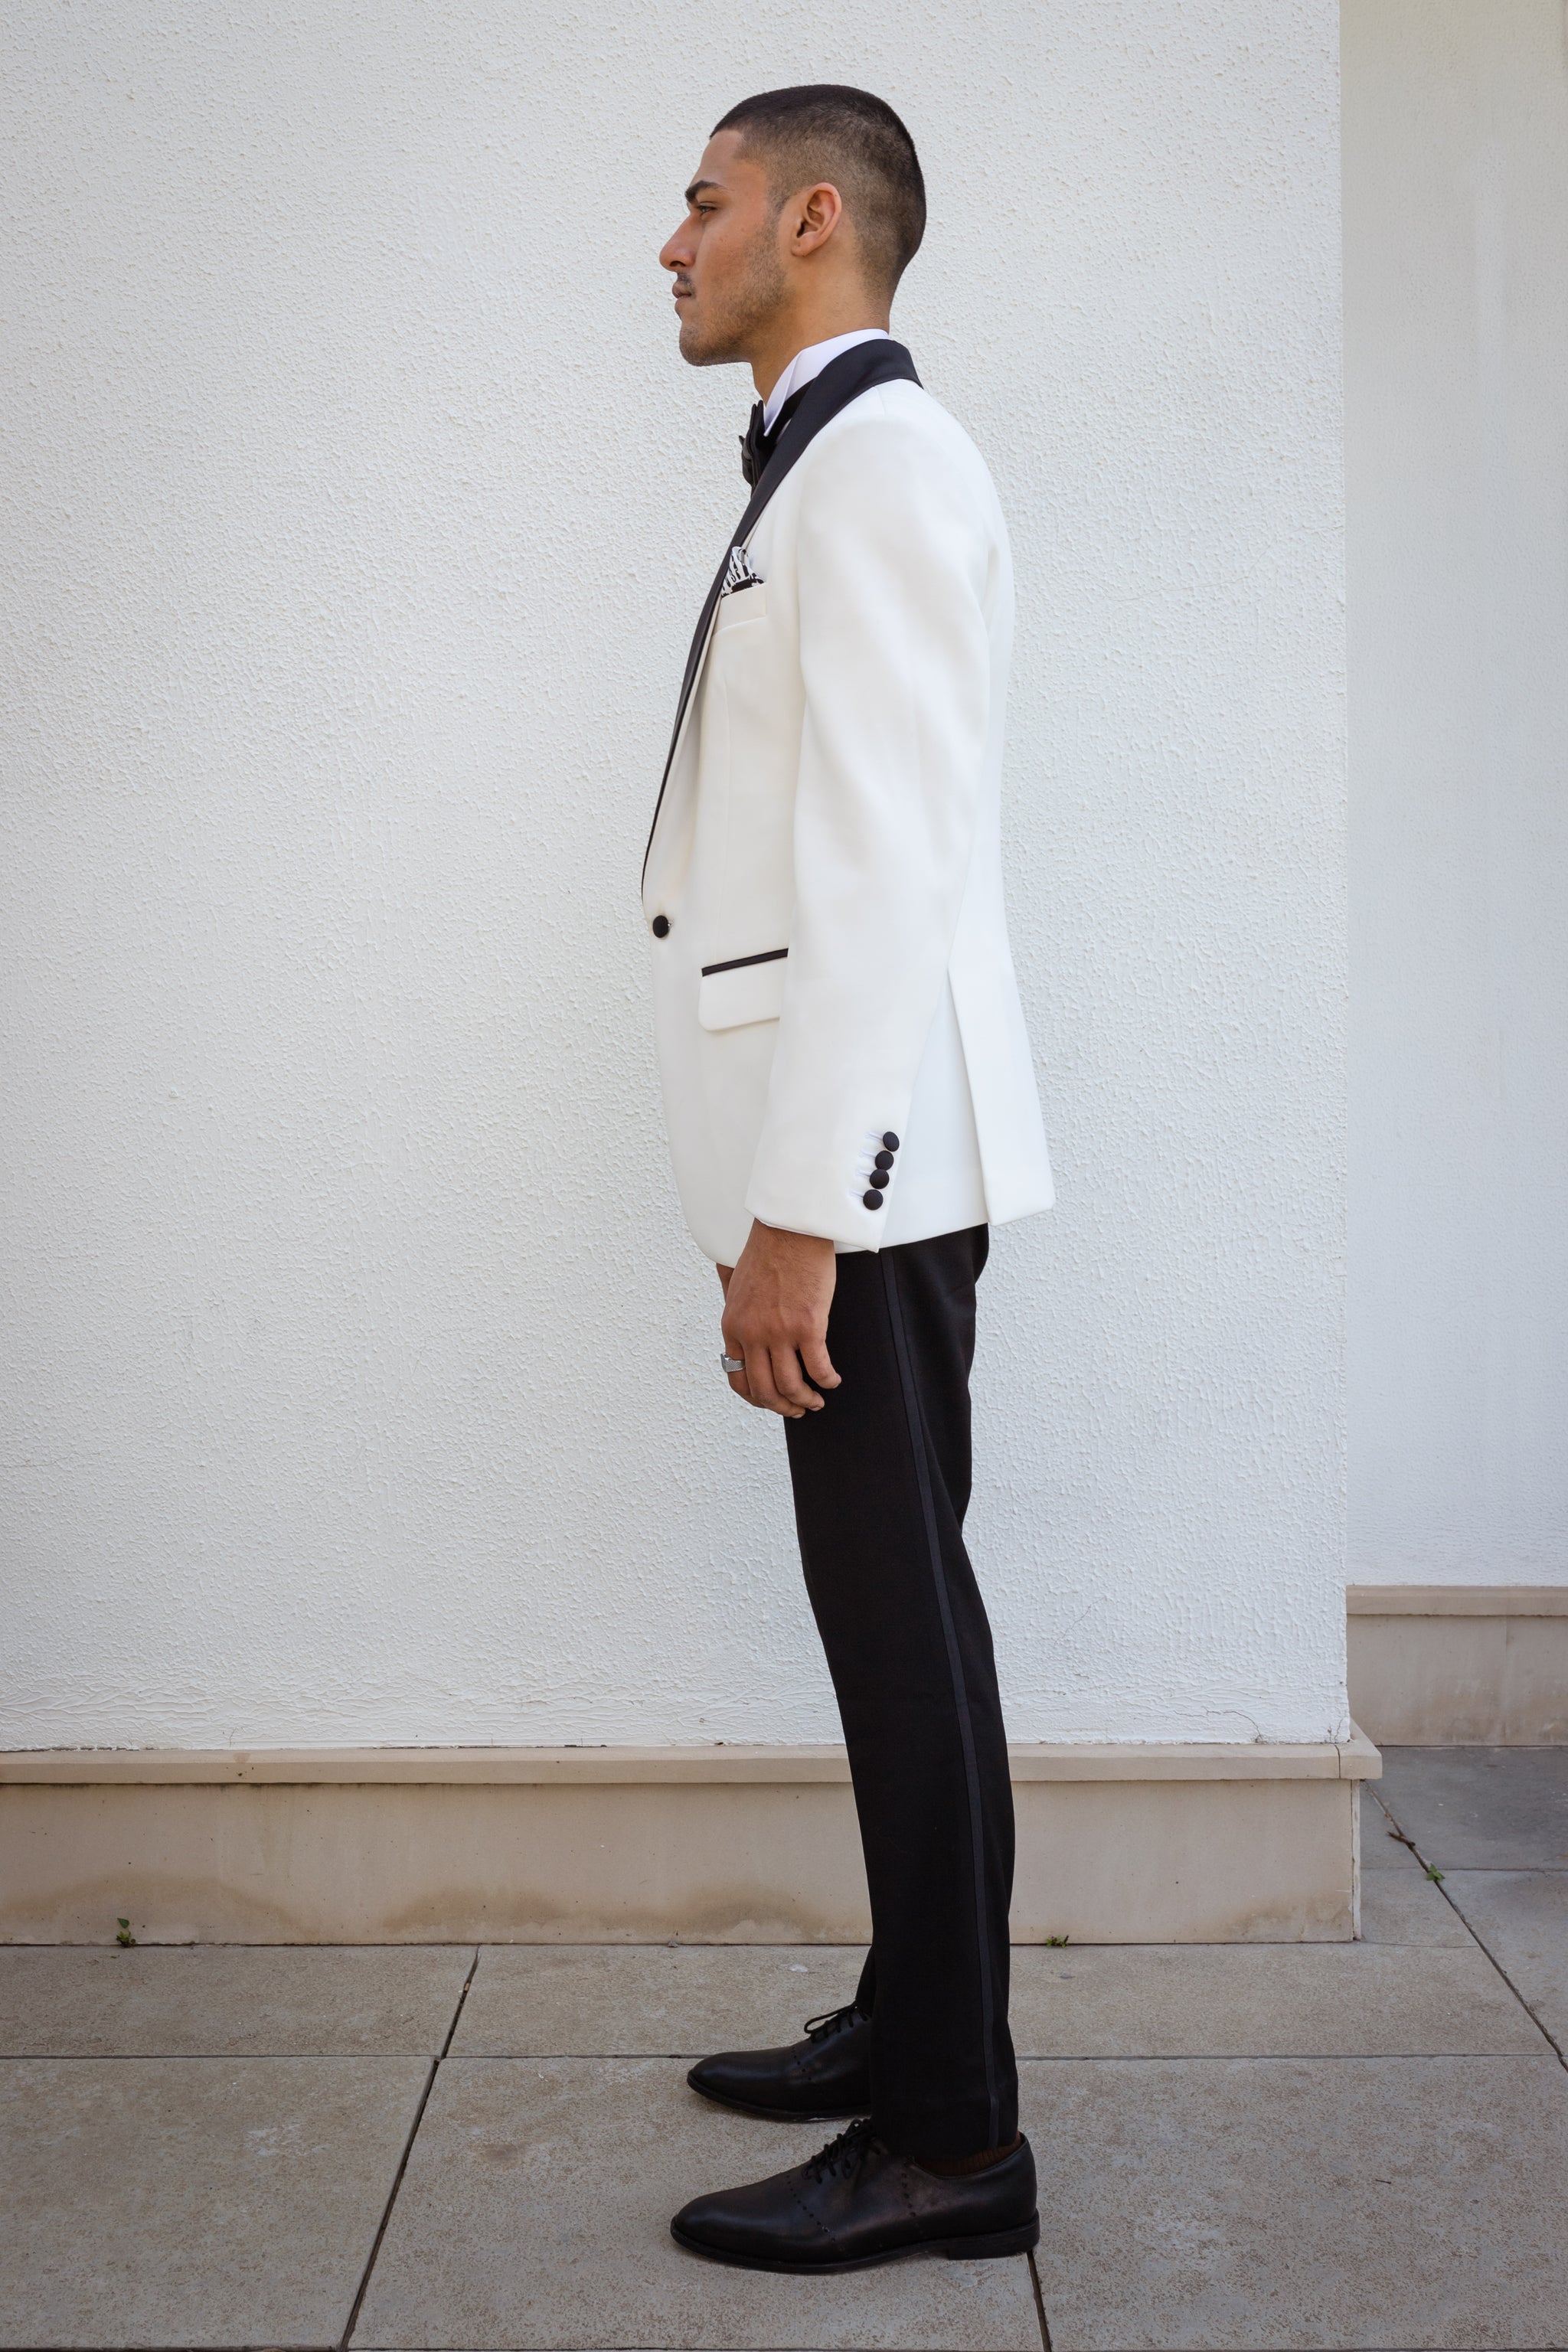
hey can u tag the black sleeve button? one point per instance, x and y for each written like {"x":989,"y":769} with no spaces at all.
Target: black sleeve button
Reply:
{"x":871,"y":1199}
{"x":889,"y":1143}
{"x":884,"y":1159}
{"x":660,"y":927}
{"x":879,"y":1179}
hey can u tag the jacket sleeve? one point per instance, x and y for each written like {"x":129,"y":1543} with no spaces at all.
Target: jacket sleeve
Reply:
{"x":893,"y":554}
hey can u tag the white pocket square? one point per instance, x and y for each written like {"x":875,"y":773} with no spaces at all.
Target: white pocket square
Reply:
{"x":738,"y":572}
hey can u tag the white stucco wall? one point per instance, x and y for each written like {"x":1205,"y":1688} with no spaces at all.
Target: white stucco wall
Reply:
{"x":361,"y":1384}
{"x":1455,"y":131}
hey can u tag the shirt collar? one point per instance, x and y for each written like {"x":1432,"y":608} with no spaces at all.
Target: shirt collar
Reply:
{"x":810,"y":363}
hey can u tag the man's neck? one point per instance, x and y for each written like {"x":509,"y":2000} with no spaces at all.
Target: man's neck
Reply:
{"x":770,"y":358}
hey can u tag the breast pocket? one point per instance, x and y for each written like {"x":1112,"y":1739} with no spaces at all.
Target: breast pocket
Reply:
{"x":740,"y":605}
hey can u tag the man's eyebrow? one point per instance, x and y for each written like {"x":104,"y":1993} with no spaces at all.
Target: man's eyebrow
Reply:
{"x":695,"y":190}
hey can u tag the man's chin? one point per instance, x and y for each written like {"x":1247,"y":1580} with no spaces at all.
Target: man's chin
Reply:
{"x":699,"y":350}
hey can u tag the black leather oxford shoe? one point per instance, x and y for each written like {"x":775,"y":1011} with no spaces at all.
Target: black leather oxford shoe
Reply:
{"x":856,"y":2204}
{"x":828,"y":2074}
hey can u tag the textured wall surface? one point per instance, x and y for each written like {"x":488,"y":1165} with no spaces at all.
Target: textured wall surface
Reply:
{"x":1455,"y":131}
{"x":360,"y":1382}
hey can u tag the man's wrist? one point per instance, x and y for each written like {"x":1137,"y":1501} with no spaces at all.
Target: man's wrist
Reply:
{"x":787,"y":1233}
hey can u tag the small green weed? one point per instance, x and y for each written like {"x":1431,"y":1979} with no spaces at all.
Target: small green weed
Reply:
{"x":1059,"y":1943}
{"x":125,"y":1936}
{"x":1433,"y":1872}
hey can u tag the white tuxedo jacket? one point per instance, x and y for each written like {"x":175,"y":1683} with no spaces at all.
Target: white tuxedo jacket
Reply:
{"x":832,"y":986}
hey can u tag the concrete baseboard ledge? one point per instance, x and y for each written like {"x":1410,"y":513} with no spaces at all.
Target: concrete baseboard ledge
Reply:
{"x":1457,"y":1599}
{"x":1456,"y":1664}
{"x":1149,"y":1843}
{"x":1354,"y":1758}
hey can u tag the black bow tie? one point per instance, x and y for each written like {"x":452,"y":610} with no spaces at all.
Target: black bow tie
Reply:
{"x":757,"y":444}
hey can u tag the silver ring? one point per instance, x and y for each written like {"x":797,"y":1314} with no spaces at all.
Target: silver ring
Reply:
{"x":732,"y":1363}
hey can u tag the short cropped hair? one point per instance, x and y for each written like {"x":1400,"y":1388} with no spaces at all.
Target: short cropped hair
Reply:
{"x":826,"y":130}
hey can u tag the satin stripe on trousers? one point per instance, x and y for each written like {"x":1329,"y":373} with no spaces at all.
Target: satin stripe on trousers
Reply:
{"x":881,"y":1479}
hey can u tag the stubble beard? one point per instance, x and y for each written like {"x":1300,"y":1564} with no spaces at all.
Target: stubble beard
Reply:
{"x":730,"y":324}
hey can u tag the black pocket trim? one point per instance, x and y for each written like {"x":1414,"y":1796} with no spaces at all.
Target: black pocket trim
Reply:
{"x":738,"y":963}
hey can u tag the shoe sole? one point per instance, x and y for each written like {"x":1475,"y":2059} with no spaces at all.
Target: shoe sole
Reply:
{"x":777,"y":2115}
{"x":988,"y":2248}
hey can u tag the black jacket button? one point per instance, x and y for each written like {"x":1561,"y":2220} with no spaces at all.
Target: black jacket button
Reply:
{"x":879,"y":1179}
{"x":660,"y":927}
{"x":889,"y":1143}
{"x":884,"y":1159}
{"x":871,"y":1199}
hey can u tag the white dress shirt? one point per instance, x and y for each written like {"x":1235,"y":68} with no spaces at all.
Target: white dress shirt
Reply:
{"x":811,"y":363}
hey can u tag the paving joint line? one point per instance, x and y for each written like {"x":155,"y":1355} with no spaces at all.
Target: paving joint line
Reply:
{"x":1473,"y":1933}
{"x":1040,"y":2301}
{"x":434,"y":2069}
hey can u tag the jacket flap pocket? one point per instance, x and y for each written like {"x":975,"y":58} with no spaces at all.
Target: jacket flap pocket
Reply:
{"x":729,"y":994}
{"x":742,"y":605}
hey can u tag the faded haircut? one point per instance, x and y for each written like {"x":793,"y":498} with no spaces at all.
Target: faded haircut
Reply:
{"x":826,"y":130}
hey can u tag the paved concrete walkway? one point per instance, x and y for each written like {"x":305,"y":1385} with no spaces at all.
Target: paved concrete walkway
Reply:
{"x":1258,"y":2146}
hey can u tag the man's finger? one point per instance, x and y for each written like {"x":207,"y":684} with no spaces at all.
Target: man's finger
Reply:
{"x":814,"y":1355}
{"x":734,"y":1350}
{"x":761,"y":1369}
{"x":791,"y":1382}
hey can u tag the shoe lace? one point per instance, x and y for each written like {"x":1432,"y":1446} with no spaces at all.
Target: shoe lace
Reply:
{"x":844,"y":2154}
{"x":832,"y":2021}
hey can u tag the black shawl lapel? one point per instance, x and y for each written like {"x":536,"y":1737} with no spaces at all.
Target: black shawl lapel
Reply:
{"x":841,"y":381}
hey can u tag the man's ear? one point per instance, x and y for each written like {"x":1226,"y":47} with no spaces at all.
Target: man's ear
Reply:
{"x":816,"y":212}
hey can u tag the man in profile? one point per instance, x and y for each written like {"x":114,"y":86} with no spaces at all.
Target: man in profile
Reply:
{"x":851,"y":1105}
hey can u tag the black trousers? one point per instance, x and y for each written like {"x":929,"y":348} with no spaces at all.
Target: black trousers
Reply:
{"x":881,"y":1479}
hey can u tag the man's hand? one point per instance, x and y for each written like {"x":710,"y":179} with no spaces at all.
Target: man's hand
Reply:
{"x":775,"y":1315}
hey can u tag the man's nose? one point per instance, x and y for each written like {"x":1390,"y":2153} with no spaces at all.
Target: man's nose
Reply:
{"x":676,"y":253}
